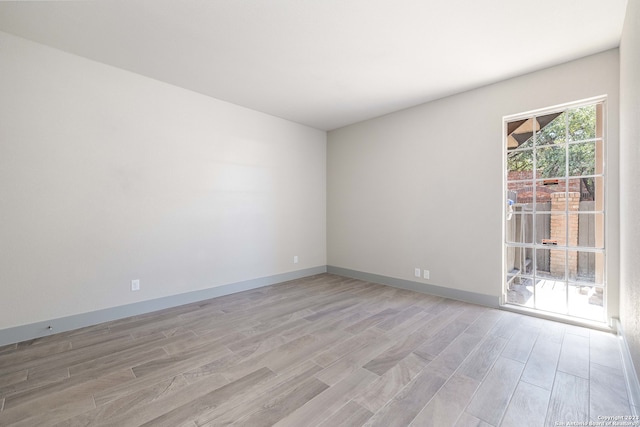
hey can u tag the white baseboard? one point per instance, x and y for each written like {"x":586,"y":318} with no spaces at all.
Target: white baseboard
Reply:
{"x":631,"y":376}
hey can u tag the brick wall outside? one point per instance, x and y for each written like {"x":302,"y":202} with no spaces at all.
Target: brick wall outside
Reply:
{"x":559,"y":233}
{"x":524,"y":189}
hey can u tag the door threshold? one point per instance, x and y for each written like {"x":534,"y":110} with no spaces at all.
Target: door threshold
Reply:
{"x":575,"y":321}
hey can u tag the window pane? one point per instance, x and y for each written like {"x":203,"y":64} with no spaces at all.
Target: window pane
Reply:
{"x":550,"y":295}
{"x":519,"y":165}
{"x":582,"y":123}
{"x":589,"y":227}
{"x":545,"y":191}
{"x":559,"y":203}
{"x":586,"y":296}
{"x":519,"y":262}
{"x":580,"y":189}
{"x":590,"y":268}
{"x":522,"y":193}
{"x":555,"y":165}
{"x":519,"y":228}
{"x":517,"y":191}
{"x":550,"y":264}
{"x":552,"y":129}
{"x":582,"y":159}
{"x":586,"y":301}
{"x":543,"y":229}
{"x":520,"y":290}
{"x":552,"y":162}
{"x":520,"y":134}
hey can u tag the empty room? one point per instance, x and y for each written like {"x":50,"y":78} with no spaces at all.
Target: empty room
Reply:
{"x":329,"y":213}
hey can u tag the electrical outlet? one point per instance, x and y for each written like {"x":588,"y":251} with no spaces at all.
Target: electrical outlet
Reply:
{"x":295,"y":259}
{"x":426,"y":274}
{"x":416,"y":272}
{"x":135,"y":285}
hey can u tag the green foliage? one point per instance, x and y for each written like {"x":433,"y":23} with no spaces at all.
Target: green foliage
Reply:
{"x":550,"y":147}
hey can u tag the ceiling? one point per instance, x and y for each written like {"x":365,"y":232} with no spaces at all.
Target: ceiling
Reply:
{"x":323,"y":63}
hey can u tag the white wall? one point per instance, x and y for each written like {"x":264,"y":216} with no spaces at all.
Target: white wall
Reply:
{"x":423,"y":187}
{"x":630,"y":179}
{"x":108,"y":176}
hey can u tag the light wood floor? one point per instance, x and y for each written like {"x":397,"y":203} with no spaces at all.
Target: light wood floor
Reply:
{"x":321,"y":351}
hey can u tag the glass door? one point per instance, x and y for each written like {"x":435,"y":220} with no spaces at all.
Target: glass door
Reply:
{"x":554,"y":222}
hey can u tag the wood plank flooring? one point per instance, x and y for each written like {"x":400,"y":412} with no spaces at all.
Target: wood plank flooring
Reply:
{"x":320,"y":351}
